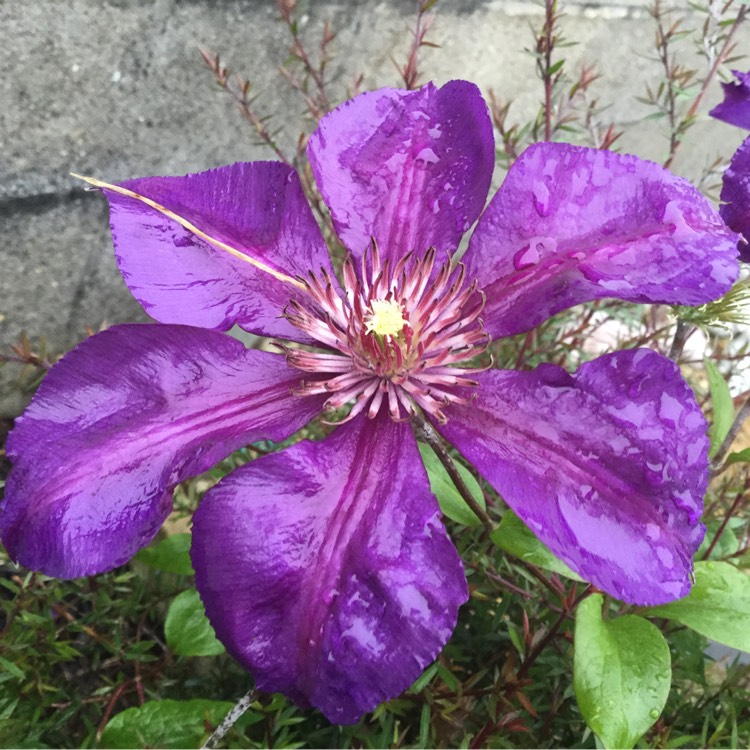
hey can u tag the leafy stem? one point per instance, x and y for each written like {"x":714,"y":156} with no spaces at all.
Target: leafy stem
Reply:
{"x":425,"y":431}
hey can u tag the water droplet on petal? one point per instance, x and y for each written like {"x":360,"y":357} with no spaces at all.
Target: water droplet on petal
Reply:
{"x":673,"y":215}
{"x":531,"y":254}
{"x":541,"y":198}
{"x":427,"y":156}
{"x":527,"y":256}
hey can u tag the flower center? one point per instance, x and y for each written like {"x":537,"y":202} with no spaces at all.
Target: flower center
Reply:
{"x":402,"y":337}
{"x":386,"y":318}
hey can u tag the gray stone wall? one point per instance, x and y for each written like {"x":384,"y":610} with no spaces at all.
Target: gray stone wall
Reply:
{"x":117,"y":89}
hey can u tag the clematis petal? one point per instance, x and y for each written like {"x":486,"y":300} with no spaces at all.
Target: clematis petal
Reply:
{"x":607,"y":466}
{"x":735,"y":109}
{"x":409,"y":168}
{"x":258,"y":209}
{"x":573,"y":224}
{"x":117,"y":424}
{"x":326,"y":570}
{"x":735,"y":194}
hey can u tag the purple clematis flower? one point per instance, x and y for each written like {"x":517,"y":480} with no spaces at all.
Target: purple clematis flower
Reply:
{"x":735,"y":197}
{"x":325,"y":569}
{"x":735,"y":109}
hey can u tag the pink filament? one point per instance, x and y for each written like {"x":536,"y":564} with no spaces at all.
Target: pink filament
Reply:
{"x":412,"y":369}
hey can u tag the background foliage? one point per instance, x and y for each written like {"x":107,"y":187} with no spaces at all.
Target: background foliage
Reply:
{"x":128,"y":659}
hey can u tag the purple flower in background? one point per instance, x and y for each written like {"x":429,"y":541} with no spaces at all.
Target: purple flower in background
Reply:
{"x":735,"y":197}
{"x":325,"y":569}
{"x":735,"y":109}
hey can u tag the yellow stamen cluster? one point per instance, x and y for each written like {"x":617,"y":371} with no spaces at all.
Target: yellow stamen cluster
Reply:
{"x":386,"y":318}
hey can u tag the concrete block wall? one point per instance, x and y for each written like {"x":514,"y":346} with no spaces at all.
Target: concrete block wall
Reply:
{"x":117,"y":89}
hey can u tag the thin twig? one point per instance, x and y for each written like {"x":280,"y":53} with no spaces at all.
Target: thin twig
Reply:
{"x":547,"y":43}
{"x":230,"y":719}
{"x":299,"y":51}
{"x":679,"y":129}
{"x":427,"y":432}
{"x":410,"y":71}
{"x":741,"y":497}
{"x":724,"y":52}
{"x":239,"y":89}
{"x":552,"y":632}
{"x":569,"y":606}
{"x":663,"y":37}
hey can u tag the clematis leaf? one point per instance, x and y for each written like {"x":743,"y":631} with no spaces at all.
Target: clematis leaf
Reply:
{"x":451,"y":502}
{"x":717,"y":607}
{"x":622,"y":673}
{"x":164,"y":723}
{"x":723,"y":406}
{"x":171,"y":555}
{"x":514,"y":536}
{"x":726,"y":544}
{"x":187,"y":629}
{"x":742,"y":456}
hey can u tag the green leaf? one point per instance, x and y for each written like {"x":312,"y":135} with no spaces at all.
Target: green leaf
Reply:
{"x":187,"y":629}
{"x":165,"y":723}
{"x":723,"y":406}
{"x":621,"y":673}
{"x":12,"y":668}
{"x":718,"y":605}
{"x":424,"y":679}
{"x":727,"y":544}
{"x":512,"y":535}
{"x":171,"y":555}
{"x":451,"y":502}
{"x":742,"y":456}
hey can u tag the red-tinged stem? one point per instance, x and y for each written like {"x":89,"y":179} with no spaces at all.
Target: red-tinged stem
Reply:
{"x":549,"y":23}
{"x":493,"y":575}
{"x":568,"y":607}
{"x":738,"y":501}
{"x":693,"y":110}
{"x":523,"y":349}
{"x":723,"y":53}
{"x":566,"y":611}
{"x":110,"y":707}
